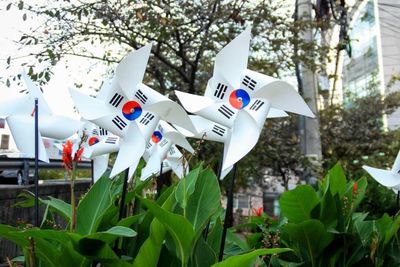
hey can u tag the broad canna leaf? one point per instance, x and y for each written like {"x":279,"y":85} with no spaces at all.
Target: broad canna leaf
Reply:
{"x":297,"y":204}
{"x":204,"y":201}
{"x":249,"y":258}
{"x":93,"y":206}
{"x":186,"y":187}
{"x":177,"y":226}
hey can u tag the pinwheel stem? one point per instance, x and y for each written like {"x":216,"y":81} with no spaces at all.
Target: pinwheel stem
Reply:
{"x":36,"y":163}
{"x":398,"y":199}
{"x":229,"y":213}
{"x":123,"y":196}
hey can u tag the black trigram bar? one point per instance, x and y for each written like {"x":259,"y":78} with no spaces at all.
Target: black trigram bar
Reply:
{"x":147,"y":118}
{"x":116,"y":100}
{"x":249,"y":82}
{"x":103,"y":131}
{"x":172,"y":150}
{"x":227,"y":112}
{"x":220,"y":91}
{"x":165,"y":164}
{"x":163,"y":142}
{"x":111,"y":140}
{"x":95,"y":132}
{"x":148,"y":145}
{"x":218,"y":130}
{"x":257,"y":105}
{"x":142,"y":97}
{"x":120,"y":123}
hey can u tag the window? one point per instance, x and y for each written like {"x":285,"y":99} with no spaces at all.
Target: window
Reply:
{"x":2,"y":123}
{"x":5,"y":140}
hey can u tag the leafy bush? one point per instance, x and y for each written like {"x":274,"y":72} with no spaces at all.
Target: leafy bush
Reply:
{"x":323,"y":228}
{"x":167,"y":231}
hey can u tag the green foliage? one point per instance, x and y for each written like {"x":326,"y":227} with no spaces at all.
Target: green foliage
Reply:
{"x":354,"y":136}
{"x":162,"y":232}
{"x":323,"y":228}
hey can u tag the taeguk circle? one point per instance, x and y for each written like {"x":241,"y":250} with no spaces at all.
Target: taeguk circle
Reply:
{"x":93,"y":140}
{"x":131,"y":110}
{"x":239,"y":99}
{"x":156,"y":137}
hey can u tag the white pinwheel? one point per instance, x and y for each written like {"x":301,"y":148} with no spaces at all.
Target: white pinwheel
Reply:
{"x":388,"y":178}
{"x":130,"y":109}
{"x":158,"y":147}
{"x":174,"y":161}
{"x":19,"y":114}
{"x":241,"y":99}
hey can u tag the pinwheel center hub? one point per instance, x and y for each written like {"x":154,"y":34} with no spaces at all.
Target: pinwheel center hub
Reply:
{"x":239,"y":98}
{"x":93,"y":140}
{"x":156,"y":137}
{"x":131,"y":110}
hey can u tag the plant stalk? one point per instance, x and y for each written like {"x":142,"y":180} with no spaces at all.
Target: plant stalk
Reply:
{"x":73,"y":206}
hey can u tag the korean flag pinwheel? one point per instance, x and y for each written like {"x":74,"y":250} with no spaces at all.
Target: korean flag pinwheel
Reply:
{"x":241,"y":99}
{"x":19,"y":114}
{"x":388,"y":178}
{"x":97,"y":145}
{"x":130,"y":109}
{"x":158,"y":147}
{"x":212,"y":131}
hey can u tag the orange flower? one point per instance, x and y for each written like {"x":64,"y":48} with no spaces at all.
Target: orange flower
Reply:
{"x":355,"y":188}
{"x":258,"y":211}
{"x":67,"y":155}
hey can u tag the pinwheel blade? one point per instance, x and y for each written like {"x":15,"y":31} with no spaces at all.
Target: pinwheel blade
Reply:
{"x":206,"y":129}
{"x":106,"y":145}
{"x":131,"y":69}
{"x":58,"y":127}
{"x":131,"y":149}
{"x":276,"y":113}
{"x":231,"y":61}
{"x":18,"y":105}
{"x":90,"y":108}
{"x":225,"y":172}
{"x":283,"y":96}
{"x":152,"y":167}
{"x":193,"y":103}
{"x":23,"y":131}
{"x":396,"y":164}
{"x":384,"y":177}
{"x":180,"y":140}
{"x":34,"y":92}
{"x":100,"y":165}
{"x":172,"y":112}
{"x":244,"y":136}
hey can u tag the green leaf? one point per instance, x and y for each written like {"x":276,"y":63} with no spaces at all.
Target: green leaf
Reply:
{"x":150,"y":250}
{"x":93,"y":206}
{"x":214,"y":237}
{"x":248,"y":258}
{"x":177,"y":226}
{"x":204,"y":255}
{"x":61,"y":207}
{"x":186,"y":187}
{"x":204,"y":201}
{"x":337,"y":180}
{"x":111,"y":234}
{"x":297,"y":204}
{"x":128,"y":221}
{"x":311,"y":237}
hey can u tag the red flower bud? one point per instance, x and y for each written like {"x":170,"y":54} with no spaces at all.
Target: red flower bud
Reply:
{"x":355,"y":188}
